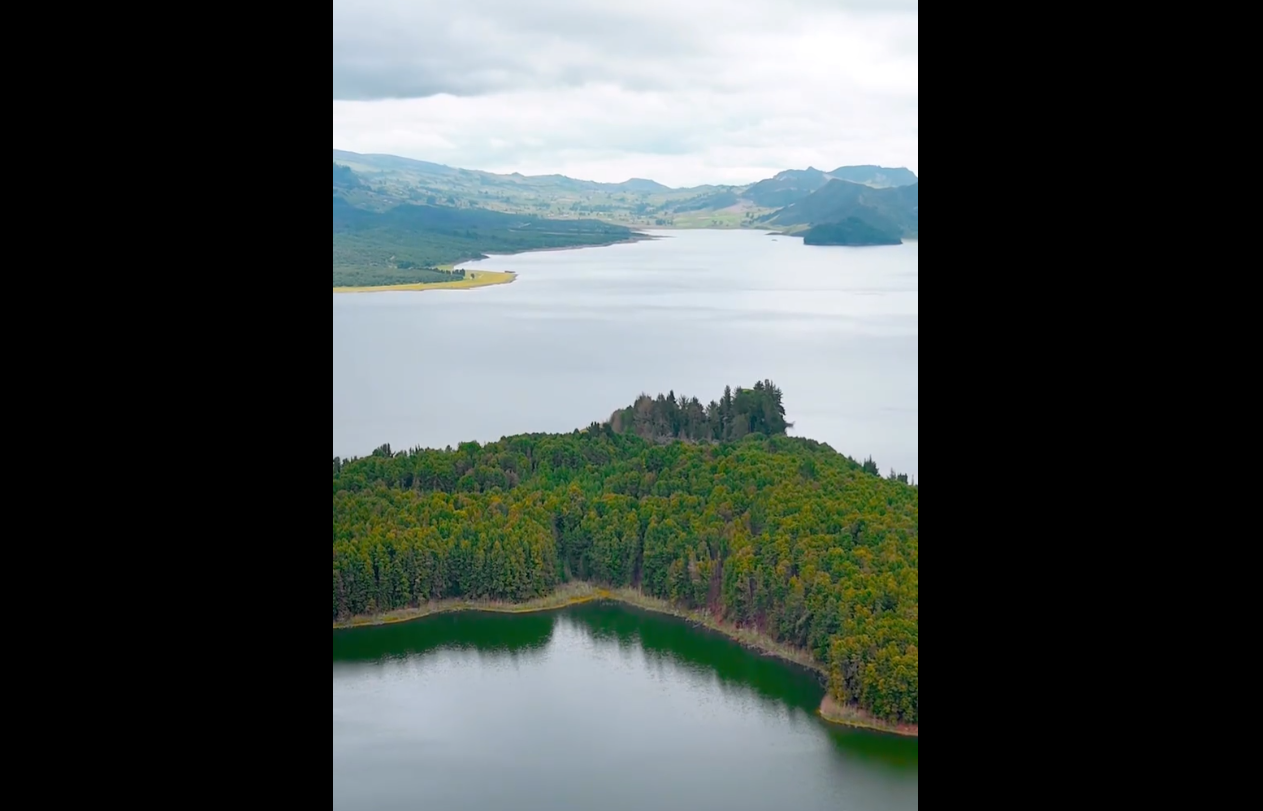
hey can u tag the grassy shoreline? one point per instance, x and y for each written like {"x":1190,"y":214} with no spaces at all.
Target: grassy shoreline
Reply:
{"x":635,"y":237}
{"x":477,"y":278}
{"x":576,"y":593}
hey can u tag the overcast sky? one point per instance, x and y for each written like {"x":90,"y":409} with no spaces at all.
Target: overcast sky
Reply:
{"x":680,"y":91}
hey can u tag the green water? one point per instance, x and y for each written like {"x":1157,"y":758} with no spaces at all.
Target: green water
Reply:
{"x":597,"y":707}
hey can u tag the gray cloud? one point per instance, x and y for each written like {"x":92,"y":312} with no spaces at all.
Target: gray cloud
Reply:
{"x":399,"y":49}
{"x":696,"y":90}
{"x":407,"y":49}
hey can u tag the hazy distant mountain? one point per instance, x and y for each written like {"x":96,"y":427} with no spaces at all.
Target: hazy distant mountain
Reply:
{"x":793,"y":185}
{"x":888,"y":209}
{"x":640,"y":184}
{"x":392,"y":162}
{"x":379,"y":182}
{"x":785,"y":188}
{"x":879,"y":177}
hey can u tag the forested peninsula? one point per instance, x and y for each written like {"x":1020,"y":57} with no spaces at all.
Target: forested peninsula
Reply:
{"x":711,"y":509}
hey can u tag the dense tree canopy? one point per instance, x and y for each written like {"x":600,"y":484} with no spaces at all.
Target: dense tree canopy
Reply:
{"x":784,"y":534}
{"x":758,"y":410}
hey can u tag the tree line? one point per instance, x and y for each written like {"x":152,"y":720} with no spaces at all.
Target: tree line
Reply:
{"x":757,"y":410}
{"x":779,"y":533}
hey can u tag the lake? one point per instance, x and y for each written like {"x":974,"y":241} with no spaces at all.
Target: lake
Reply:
{"x":597,"y":706}
{"x":581,"y":333}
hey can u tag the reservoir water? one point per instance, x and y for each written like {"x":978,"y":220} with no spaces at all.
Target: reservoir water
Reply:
{"x":598,"y":706}
{"x":580,"y":333}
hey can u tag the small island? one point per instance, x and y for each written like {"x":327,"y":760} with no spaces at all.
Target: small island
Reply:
{"x":851,"y":231}
{"x":707,"y":511}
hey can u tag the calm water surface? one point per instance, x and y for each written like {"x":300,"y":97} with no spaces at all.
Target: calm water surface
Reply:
{"x":581,"y":333}
{"x":593,"y":707}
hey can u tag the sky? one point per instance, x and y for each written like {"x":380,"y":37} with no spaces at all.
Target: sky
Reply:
{"x":685,"y":92}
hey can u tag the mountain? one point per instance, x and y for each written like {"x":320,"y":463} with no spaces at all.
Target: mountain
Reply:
{"x":380,"y":182}
{"x":638,"y":184}
{"x":889,"y":210}
{"x":392,"y":163}
{"x":793,"y":185}
{"x":785,"y":188}
{"x":879,"y":177}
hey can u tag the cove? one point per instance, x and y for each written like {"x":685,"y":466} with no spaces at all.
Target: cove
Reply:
{"x":598,"y":705}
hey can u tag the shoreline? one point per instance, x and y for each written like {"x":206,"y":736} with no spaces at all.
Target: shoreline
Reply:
{"x":636,"y":237}
{"x":481,"y":278}
{"x":577,"y":593}
{"x":565,"y":596}
{"x":835,"y":713}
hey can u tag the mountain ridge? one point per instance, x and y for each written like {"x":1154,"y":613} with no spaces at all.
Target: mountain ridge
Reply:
{"x":380,"y":182}
{"x":383,"y":160}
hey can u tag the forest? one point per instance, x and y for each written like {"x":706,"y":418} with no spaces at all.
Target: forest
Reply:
{"x":709,"y":507}
{"x":758,"y":410}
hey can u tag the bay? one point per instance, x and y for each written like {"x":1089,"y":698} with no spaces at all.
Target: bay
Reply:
{"x":582,"y":332}
{"x":594,"y":706}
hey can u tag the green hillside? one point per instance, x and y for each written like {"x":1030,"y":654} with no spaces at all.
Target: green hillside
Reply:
{"x":378,"y":242}
{"x":850,"y":231}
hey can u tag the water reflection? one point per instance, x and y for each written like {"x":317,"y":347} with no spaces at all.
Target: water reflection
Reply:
{"x":698,"y":651}
{"x":669,"y":648}
{"x":493,"y":635}
{"x":889,"y":750}
{"x":669,"y":643}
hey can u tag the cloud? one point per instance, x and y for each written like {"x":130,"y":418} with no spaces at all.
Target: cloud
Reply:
{"x":699,"y":91}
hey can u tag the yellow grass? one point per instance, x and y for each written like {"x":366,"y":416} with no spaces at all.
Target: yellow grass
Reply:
{"x":478,"y":278}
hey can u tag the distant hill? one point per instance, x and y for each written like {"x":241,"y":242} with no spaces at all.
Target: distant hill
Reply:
{"x":641,"y":185}
{"x":785,"y":188}
{"x":879,"y":177}
{"x":892,"y":210}
{"x":709,"y":202}
{"x":392,"y":163}
{"x":380,"y":182}
{"x":376,"y":247}
{"x":792,"y":185}
{"x":344,"y":178}
{"x":851,"y":231}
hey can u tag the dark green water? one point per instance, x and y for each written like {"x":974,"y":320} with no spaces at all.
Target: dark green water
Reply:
{"x":594,"y":707}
